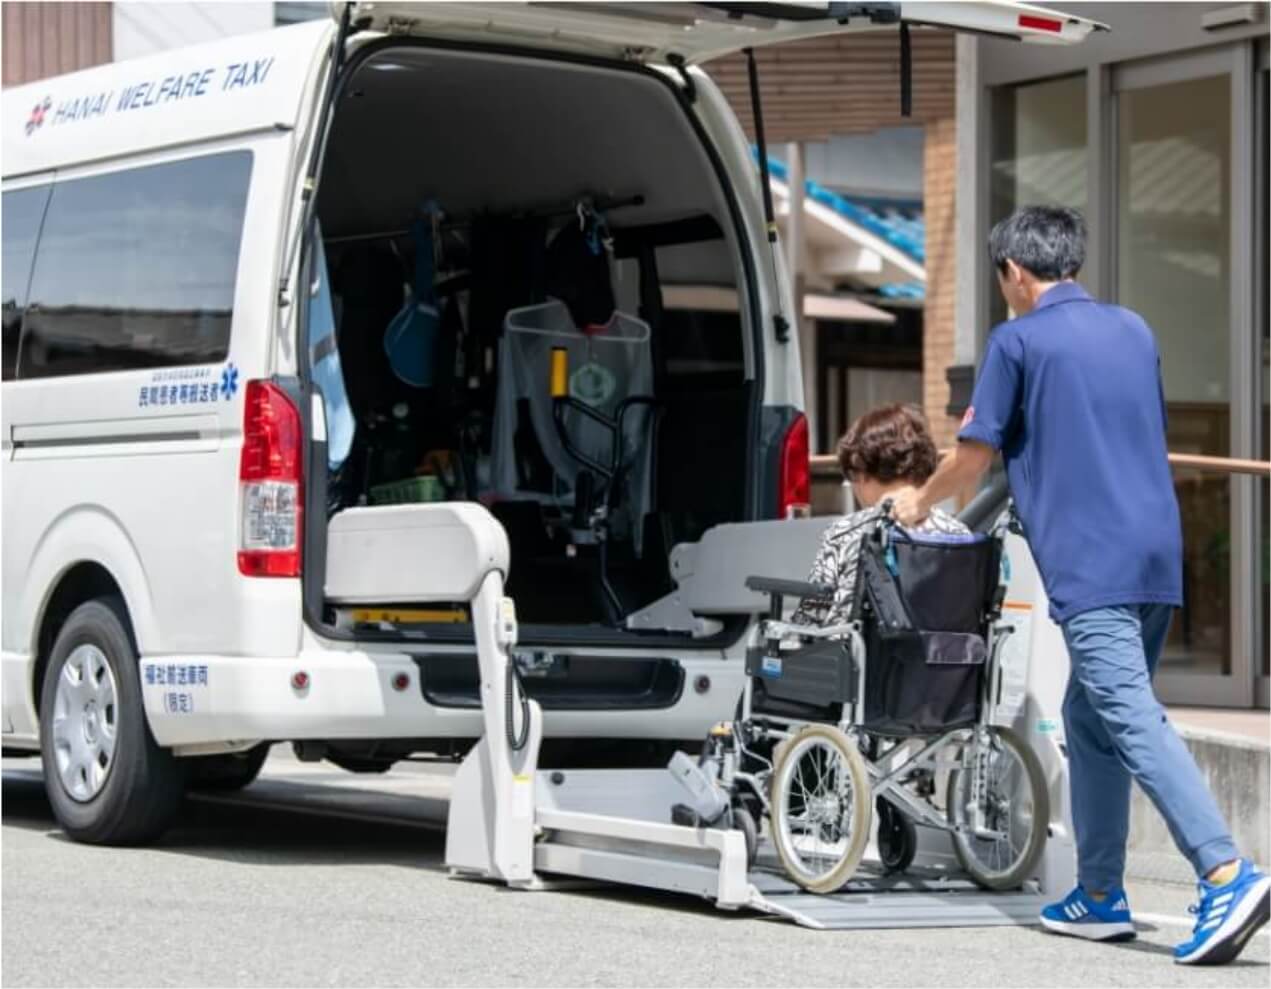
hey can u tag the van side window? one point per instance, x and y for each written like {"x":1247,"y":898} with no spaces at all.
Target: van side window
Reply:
{"x":136,"y":269}
{"x":20,"y":217}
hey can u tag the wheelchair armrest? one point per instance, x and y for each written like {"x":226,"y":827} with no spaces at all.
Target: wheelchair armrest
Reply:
{"x":788,"y":588}
{"x":774,"y":629}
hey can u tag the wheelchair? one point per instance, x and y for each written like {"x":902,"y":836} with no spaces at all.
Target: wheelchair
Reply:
{"x":890,"y":712}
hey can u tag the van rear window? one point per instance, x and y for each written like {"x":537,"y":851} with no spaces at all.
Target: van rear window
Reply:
{"x":136,"y":269}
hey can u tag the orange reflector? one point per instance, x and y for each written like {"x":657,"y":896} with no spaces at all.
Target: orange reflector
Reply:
{"x":560,"y":372}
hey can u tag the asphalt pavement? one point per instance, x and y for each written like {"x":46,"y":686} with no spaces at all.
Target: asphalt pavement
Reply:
{"x":316,"y":877}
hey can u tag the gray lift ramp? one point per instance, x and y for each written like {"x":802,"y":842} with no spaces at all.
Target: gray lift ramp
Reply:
{"x":920,"y":898}
{"x":614,"y":826}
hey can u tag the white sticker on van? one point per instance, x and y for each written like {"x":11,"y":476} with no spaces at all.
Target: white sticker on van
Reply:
{"x":176,"y":674}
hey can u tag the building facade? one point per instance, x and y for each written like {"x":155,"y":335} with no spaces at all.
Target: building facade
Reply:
{"x":1157,"y":131}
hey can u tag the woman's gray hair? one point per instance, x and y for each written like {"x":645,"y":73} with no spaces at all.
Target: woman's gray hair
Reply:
{"x":1048,"y":241}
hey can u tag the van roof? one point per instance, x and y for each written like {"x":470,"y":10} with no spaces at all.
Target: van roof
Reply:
{"x":238,"y":85}
{"x":263,"y":81}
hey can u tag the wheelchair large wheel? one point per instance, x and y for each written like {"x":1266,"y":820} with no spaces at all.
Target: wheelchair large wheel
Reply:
{"x":1016,"y":805}
{"x":821,"y":805}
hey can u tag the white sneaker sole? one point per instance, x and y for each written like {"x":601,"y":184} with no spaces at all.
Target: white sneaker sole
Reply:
{"x":1090,"y":931}
{"x":1235,"y":930}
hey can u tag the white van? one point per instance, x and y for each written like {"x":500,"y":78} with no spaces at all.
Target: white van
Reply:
{"x":245,"y":290}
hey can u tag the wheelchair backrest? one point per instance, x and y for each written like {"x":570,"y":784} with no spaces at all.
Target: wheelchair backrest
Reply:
{"x":929,"y":582}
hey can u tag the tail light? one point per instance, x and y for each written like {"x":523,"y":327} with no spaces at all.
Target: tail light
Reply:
{"x":269,"y":477}
{"x":794,"y":492}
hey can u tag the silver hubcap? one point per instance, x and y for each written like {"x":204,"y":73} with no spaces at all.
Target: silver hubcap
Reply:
{"x":85,"y":719}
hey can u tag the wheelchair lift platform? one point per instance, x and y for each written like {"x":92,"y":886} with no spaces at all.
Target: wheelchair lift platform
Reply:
{"x":605,"y":826}
{"x":511,"y":822}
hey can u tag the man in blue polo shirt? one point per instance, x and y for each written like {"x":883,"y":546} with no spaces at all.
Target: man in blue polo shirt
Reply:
{"x":1070,"y":394}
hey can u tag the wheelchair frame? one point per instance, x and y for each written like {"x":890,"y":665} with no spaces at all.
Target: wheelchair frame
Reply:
{"x":889,"y":772}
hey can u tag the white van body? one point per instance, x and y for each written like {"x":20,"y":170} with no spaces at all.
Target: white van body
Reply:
{"x":125,"y":484}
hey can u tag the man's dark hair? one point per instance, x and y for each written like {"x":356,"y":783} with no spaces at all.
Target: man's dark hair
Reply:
{"x":889,"y":443}
{"x":1048,"y":241}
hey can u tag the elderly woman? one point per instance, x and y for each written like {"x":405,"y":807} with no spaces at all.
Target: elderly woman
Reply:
{"x":885,"y":450}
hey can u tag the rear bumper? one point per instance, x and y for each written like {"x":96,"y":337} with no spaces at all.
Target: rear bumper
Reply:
{"x":350,"y":693}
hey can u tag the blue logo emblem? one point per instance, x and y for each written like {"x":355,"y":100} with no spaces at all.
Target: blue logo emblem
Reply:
{"x":229,"y":381}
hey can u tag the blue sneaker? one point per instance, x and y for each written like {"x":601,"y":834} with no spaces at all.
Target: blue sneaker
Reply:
{"x":1080,"y":916}
{"x":1226,"y":917}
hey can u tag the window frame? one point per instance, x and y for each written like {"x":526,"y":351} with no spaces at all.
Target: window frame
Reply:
{"x":116,"y":169}
{"x":45,"y":184}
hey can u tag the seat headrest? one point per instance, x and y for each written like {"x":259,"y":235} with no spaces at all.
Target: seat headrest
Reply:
{"x":579,"y":277}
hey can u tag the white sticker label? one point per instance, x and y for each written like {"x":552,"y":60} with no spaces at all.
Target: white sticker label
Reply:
{"x":522,"y":796}
{"x":1013,"y":665}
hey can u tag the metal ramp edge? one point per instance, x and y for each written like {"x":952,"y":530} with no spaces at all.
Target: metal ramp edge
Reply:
{"x":920,"y":898}
{"x":884,"y":910}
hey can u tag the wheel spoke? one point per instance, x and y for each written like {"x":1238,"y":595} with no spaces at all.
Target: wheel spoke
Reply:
{"x":85,"y":721}
{"x":71,"y":682}
{"x":1009,"y":808}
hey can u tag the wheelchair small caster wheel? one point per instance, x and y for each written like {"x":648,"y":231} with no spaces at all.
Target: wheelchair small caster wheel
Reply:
{"x":744,"y":821}
{"x":897,"y":837}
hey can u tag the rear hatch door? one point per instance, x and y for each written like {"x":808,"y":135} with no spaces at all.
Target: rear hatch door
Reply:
{"x":697,"y":32}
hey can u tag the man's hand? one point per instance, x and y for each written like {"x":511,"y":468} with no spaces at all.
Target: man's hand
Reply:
{"x":908,"y":507}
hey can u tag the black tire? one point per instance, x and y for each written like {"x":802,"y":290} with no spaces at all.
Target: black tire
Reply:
{"x":223,"y":773}
{"x":744,"y":821}
{"x":360,"y":764}
{"x":897,"y":837}
{"x":142,"y":789}
{"x":968,"y":850}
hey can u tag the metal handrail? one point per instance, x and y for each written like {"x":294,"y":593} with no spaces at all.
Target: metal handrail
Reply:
{"x":1189,"y":461}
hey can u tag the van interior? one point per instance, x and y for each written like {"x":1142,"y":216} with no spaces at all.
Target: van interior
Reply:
{"x":500,"y":232}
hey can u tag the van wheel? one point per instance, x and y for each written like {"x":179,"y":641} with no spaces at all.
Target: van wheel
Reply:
{"x":106,"y":779}
{"x":227,"y":772}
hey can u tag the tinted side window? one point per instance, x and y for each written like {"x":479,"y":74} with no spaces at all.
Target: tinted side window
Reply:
{"x":20,"y":219}
{"x":136,"y":269}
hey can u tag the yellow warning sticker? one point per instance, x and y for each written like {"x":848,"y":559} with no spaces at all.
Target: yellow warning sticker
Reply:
{"x":408,"y":616}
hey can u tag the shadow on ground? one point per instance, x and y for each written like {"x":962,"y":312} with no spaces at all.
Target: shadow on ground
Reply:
{"x":241,"y":831}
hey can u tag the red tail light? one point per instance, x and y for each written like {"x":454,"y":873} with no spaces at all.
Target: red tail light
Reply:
{"x":270,"y":479}
{"x":794,"y":484}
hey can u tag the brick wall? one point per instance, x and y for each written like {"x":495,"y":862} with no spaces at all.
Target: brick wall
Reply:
{"x":939,"y":167}
{"x":47,"y":39}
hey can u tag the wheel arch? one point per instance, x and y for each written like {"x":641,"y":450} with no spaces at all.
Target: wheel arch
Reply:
{"x":84,"y":555}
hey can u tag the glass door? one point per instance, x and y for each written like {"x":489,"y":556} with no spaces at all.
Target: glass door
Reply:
{"x":1182,"y":259}
{"x":1262,"y":337}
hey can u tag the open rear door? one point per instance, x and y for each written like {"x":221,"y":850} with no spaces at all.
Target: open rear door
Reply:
{"x":697,"y":32}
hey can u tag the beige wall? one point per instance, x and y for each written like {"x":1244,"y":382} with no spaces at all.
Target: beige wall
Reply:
{"x":938,"y":202}
{"x":47,"y":39}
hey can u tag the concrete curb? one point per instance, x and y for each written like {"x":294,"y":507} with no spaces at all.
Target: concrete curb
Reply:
{"x":1237,"y":769}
